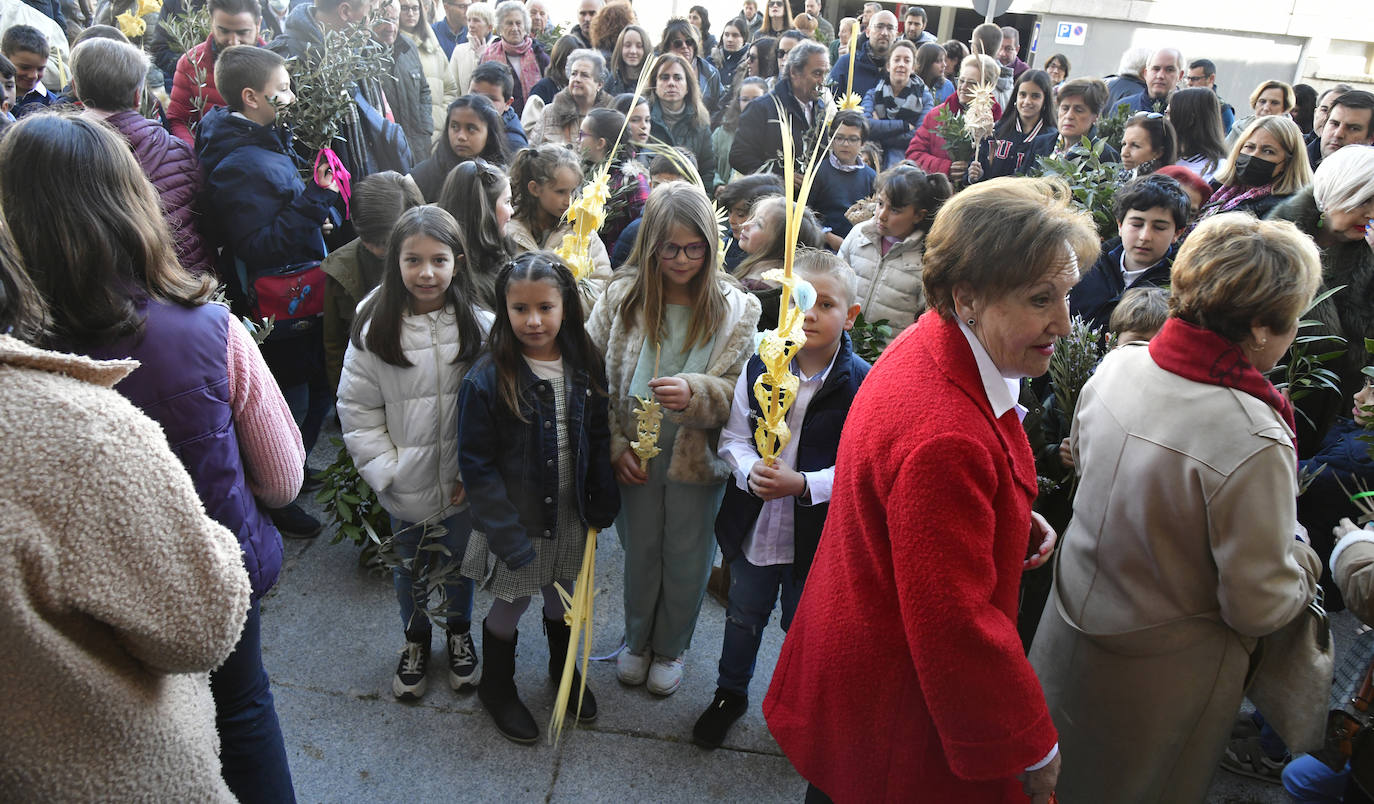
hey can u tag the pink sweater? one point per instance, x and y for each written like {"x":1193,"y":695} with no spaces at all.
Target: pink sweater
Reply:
{"x":269,"y":442}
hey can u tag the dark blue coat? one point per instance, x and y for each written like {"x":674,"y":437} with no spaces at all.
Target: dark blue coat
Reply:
{"x":759,"y":140}
{"x":867,"y":73}
{"x":1043,"y":145}
{"x":819,"y":440}
{"x":510,"y":467}
{"x":182,"y":383}
{"x":1099,"y":291}
{"x":266,"y":215}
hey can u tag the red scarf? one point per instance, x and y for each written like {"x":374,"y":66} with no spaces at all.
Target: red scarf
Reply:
{"x":1201,"y":355}
{"x":501,"y":50}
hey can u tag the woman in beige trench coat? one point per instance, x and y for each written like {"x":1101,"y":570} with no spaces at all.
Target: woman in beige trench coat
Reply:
{"x":1181,"y":553}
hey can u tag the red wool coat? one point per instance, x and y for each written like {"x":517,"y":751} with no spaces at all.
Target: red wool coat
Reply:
{"x":927,"y":148}
{"x":902,"y":676}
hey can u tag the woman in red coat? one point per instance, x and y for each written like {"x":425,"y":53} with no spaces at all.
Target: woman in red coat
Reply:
{"x":927,"y":148}
{"x":902,"y":677}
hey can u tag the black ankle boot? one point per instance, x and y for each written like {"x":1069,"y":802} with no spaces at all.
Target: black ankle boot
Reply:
{"x":498,"y":693}
{"x":559,"y":634}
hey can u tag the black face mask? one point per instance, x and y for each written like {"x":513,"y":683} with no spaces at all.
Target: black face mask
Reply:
{"x":1251,"y":171}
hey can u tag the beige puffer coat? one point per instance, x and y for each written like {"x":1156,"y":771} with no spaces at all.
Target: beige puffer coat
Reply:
{"x":117,"y":594}
{"x":889,"y":285}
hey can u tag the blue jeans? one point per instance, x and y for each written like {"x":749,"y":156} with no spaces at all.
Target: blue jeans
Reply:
{"x":753,"y":591}
{"x":252,"y":753}
{"x":309,"y":404}
{"x":412,"y":588}
{"x":1309,"y":781}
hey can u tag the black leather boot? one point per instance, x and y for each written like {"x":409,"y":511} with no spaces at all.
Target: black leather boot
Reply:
{"x":498,"y":693}
{"x":559,"y":634}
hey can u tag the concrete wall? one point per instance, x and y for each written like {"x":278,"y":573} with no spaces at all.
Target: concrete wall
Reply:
{"x":1243,"y":60}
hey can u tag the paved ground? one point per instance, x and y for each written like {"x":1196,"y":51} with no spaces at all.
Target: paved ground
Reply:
{"x":331,"y":638}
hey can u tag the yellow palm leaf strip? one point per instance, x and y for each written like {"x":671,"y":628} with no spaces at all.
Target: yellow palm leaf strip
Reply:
{"x":577,"y":613}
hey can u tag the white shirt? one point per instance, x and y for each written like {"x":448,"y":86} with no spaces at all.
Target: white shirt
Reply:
{"x":1129,"y":276}
{"x":1002,"y":392}
{"x":771,"y":541}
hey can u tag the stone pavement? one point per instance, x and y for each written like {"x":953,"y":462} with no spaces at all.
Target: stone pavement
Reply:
{"x":331,"y":640}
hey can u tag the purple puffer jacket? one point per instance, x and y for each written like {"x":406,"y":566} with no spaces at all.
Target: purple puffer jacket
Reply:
{"x":171,"y":166}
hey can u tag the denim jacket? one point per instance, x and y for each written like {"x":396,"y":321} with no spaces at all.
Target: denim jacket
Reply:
{"x":510,"y":467}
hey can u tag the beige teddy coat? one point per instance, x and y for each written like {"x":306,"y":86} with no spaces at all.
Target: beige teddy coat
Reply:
{"x":693,"y":458}
{"x":117,"y":594}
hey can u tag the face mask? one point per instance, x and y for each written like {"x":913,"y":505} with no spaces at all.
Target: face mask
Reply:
{"x":279,"y":6}
{"x":1251,"y":171}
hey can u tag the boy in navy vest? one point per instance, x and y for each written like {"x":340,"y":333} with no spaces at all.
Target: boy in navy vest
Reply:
{"x":269,"y":219}
{"x":770,"y":521}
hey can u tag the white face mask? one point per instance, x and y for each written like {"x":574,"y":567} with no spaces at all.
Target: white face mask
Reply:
{"x":279,"y":6}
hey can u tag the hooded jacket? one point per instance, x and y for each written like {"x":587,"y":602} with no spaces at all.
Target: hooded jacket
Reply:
{"x":267,"y":216}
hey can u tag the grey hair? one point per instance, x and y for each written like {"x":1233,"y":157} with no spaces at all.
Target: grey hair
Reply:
{"x":802,"y":53}
{"x":1133,"y":61}
{"x":506,"y":7}
{"x":584,"y":54}
{"x":1344,"y":180}
{"x":107,"y":73}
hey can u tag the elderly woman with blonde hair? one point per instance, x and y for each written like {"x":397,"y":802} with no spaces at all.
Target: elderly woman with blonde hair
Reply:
{"x":902,"y":676}
{"x":1181,"y":553}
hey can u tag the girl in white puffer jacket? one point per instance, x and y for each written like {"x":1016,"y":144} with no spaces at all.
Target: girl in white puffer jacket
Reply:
{"x":413,"y":340}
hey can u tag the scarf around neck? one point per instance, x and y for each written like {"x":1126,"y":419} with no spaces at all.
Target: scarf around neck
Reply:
{"x":501,"y":50}
{"x":1200,"y":355}
{"x":1232,"y":196}
{"x":906,"y":107}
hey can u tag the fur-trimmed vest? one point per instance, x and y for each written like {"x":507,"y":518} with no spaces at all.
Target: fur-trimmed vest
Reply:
{"x":1349,"y":313}
{"x":620,"y":338}
{"x":560,"y":120}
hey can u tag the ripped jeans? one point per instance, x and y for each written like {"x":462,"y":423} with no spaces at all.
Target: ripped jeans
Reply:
{"x":753,"y":592}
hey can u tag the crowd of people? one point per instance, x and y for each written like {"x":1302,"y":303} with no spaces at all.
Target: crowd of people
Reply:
{"x":499,"y":399}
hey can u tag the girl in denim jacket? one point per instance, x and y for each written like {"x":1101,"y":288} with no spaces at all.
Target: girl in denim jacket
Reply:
{"x":534,"y":450}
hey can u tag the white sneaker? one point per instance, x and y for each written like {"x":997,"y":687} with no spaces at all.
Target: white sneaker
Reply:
{"x":665,"y":675}
{"x":632,"y":668}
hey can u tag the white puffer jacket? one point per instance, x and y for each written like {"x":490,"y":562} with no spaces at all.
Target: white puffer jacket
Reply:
{"x":889,"y":285}
{"x":401,"y":424}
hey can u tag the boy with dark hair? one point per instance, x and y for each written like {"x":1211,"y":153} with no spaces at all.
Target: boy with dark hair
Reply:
{"x":1150,"y":212}
{"x":494,"y":81}
{"x":770,"y":520}
{"x":842,"y":177}
{"x":270,"y":226}
{"x":27,"y":49}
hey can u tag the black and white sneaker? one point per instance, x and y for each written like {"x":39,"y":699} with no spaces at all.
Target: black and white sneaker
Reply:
{"x":462,"y":661}
{"x":409,"y":683}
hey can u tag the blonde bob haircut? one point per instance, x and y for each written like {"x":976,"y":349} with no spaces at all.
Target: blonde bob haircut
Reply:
{"x":1296,"y":175}
{"x":1001,"y":235}
{"x":676,"y":204}
{"x":1235,"y":272}
{"x":1290,"y":99}
{"x":1344,"y":181}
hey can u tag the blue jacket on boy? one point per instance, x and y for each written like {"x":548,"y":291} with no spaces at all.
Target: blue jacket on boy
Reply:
{"x":515,"y":132}
{"x":510,"y":467}
{"x":267,"y":216}
{"x":819,"y":441}
{"x":1099,"y":291}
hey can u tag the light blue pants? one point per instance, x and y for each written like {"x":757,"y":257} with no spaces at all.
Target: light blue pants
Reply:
{"x":668,"y":532}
